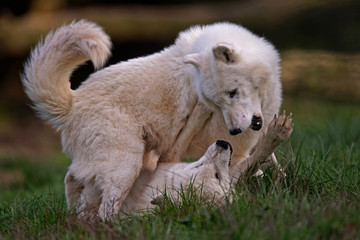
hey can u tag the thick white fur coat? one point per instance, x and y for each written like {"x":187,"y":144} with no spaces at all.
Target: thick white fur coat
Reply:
{"x":165,"y":106}
{"x":208,"y":177}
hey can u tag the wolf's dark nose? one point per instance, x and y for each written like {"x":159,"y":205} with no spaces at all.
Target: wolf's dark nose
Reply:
{"x":224,"y":144}
{"x":235,"y":131}
{"x":256,"y":123}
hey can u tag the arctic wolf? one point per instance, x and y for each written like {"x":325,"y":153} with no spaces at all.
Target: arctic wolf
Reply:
{"x":218,"y":81}
{"x":209,"y":176}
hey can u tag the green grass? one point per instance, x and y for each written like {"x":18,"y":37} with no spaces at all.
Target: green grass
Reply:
{"x":319,"y":199}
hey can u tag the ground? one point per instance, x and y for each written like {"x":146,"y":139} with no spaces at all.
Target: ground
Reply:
{"x":319,"y":199}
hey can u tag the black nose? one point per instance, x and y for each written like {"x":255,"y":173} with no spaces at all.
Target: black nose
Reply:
{"x":235,"y":131}
{"x":224,"y":145}
{"x":256,"y":123}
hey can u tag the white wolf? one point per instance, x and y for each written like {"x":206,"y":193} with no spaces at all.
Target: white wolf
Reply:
{"x":217,"y":81}
{"x":208,"y":176}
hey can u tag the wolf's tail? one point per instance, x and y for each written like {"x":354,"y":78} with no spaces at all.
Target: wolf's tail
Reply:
{"x":48,"y":70}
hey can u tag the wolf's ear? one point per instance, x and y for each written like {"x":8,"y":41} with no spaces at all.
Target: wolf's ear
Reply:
{"x":193,"y":58}
{"x":225,"y":52}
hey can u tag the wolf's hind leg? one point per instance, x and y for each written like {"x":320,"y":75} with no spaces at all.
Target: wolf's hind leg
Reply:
{"x":89,"y":202}
{"x":116,"y":178}
{"x":73,"y":190}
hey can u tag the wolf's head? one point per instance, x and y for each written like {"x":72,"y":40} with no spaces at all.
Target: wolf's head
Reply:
{"x":233,"y":76}
{"x":212,"y":168}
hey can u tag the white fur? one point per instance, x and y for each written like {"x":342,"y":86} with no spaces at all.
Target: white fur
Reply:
{"x":165,"y":106}
{"x":209,"y":176}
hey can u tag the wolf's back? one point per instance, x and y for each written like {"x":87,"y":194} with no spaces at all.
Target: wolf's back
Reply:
{"x":50,"y":65}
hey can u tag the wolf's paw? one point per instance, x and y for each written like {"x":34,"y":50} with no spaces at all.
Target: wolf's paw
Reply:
{"x":280,"y":128}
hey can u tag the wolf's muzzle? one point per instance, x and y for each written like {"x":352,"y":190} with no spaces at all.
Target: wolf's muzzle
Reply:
{"x":224,"y":145}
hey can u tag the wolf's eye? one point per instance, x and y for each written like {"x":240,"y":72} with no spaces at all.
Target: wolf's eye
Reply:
{"x":198,"y":166}
{"x":217,"y":176}
{"x":232,"y":93}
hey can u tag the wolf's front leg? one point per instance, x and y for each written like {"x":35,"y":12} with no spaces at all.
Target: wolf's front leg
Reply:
{"x":280,"y":129}
{"x":193,"y":125}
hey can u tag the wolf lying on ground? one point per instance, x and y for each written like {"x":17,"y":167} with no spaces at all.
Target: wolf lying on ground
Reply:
{"x":209,"y":175}
{"x":218,"y":81}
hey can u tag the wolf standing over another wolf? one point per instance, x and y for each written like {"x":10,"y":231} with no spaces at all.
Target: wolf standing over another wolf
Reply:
{"x":218,"y":81}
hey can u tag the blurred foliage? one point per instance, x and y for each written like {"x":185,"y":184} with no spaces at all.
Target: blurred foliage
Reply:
{"x":330,"y":75}
{"x":319,"y":42}
{"x":21,"y":177}
{"x":327,"y":25}
{"x":332,"y":27}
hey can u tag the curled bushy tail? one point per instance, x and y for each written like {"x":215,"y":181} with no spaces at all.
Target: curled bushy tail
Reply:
{"x":49,"y":68}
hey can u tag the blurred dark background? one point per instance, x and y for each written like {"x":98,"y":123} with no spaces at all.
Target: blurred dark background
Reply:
{"x":319,"y":42}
